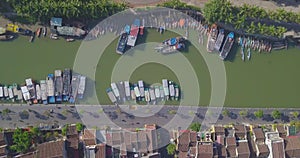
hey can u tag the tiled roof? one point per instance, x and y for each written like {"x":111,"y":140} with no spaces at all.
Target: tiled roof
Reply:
{"x":205,"y":150}
{"x":89,"y":142}
{"x":72,"y":141}
{"x":142,"y":141}
{"x":182,"y":154}
{"x":280,"y":129}
{"x":259,"y":134}
{"x":263,"y":150}
{"x":292,"y":146}
{"x":193,"y":151}
{"x":193,"y":138}
{"x":89,"y":134}
{"x":2,"y":141}
{"x":152,"y":141}
{"x":219,"y":130}
{"x":27,"y":155}
{"x":277,"y":150}
{"x":183,"y":141}
{"x":71,"y":130}
{"x":243,"y":150}
{"x":230,"y":142}
{"x":231,"y":152}
{"x":2,"y":150}
{"x":239,"y":129}
{"x":100,"y":151}
{"x":116,"y":138}
{"x":51,"y":149}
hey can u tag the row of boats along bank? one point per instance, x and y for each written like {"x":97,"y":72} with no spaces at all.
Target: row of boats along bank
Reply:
{"x":125,"y":91}
{"x":62,"y":86}
{"x":130,"y":35}
{"x":216,"y":43}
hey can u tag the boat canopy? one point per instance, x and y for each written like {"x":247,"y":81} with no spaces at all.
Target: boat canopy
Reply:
{"x":231,"y":35}
{"x":172,"y":41}
{"x":137,"y":22}
{"x":127,"y":29}
{"x":70,"y":31}
{"x":56,"y":21}
{"x":2,"y":30}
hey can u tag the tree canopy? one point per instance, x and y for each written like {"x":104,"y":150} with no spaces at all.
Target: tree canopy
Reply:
{"x":22,"y":141}
{"x":276,"y":114}
{"x":195,"y":126}
{"x":259,"y":113}
{"x":43,"y":10}
{"x":248,"y":18}
{"x":171,"y":148}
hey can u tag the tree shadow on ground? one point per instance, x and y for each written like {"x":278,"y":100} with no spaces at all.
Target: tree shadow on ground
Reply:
{"x":268,"y":118}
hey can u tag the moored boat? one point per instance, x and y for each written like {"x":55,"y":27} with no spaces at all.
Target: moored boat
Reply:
{"x":39,"y":32}
{"x":212,"y":37}
{"x":122,"y":43}
{"x":134,"y":31}
{"x":81,"y":88}
{"x":1,"y":92}
{"x":166,"y":88}
{"x":227,"y":45}
{"x":74,"y":87}
{"x":6,"y":37}
{"x":147,"y":95}
{"x":137,"y":91}
{"x":5,"y":90}
{"x":220,"y":40}
{"x":44,"y":31}
{"x":172,"y":90}
{"x":249,"y":54}
{"x":127,"y":89}
{"x":115,"y":90}
{"x":141,"y":88}
{"x":111,"y":95}
{"x":177,"y":92}
{"x":157,"y":92}
{"x":243,"y":53}
{"x":58,"y":84}
{"x":50,"y":88}
{"x":31,"y":89}
{"x":44,"y":95}
{"x":66,"y":84}
{"x":10,"y":93}
{"x":171,"y":45}
{"x":26,"y":94}
{"x":152,"y":94}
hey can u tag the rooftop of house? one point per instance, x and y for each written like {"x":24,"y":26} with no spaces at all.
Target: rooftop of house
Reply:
{"x":258,"y":133}
{"x":51,"y":149}
{"x":231,"y":152}
{"x":239,"y":129}
{"x":280,"y":129}
{"x":230,"y":142}
{"x":3,"y":150}
{"x":263,"y":150}
{"x":89,"y":134}
{"x":219,"y":129}
{"x":184,"y":140}
{"x":27,"y":155}
{"x":150,"y":126}
{"x":193,"y":138}
{"x":193,"y":151}
{"x":243,"y":149}
{"x":205,"y":150}
{"x":273,"y":136}
{"x":100,"y":151}
{"x":277,"y":149}
{"x":71,"y":130}
{"x":182,"y":154}
{"x":292,"y":146}
{"x":2,"y":141}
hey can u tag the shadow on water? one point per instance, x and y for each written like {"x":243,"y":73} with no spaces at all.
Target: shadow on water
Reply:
{"x":232,"y":54}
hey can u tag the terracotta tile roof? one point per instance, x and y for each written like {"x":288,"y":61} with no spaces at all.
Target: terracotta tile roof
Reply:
{"x":51,"y":149}
{"x":182,"y":154}
{"x":277,"y":150}
{"x":184,"y":141}
{"x":150,"y":126}
{"x":151,"y":140}
{"x":292,"y":146}
{"x":193,"y":151}
{"x":89,"y":134}
{"x":243,"y":150}
{"x":205,"y":150}
{"x":280,"y":129}
{"x":263,"y":150}
{"x":231,"y":152}
{"x":2,"y":150}
{"x":27,"y":155}
{"x":193,"y":138}
{"x":230,"y":142}
{"x":259,"y":134}
{"x":73,"y":141}
{"x":100,"y":151}
{"x":219,"y":130}
{"x":142,"y":141}
{"x":71,"y":130}
{"x":239,"y":129}
{"x":89,"y":142}
{"x":116,"y":138}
